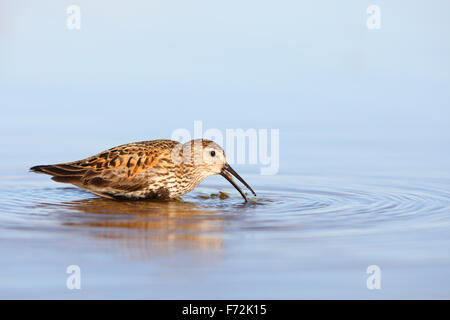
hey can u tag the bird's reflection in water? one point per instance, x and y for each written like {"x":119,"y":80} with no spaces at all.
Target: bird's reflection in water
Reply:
{"x":147,"y":229}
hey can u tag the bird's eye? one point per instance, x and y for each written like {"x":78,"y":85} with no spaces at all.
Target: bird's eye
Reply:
{"x":212,"y":153}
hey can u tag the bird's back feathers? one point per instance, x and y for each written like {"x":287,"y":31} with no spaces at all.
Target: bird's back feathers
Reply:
{"x":116,"y":171}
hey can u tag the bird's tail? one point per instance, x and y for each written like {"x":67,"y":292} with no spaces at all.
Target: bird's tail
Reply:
{"x":61,"y":172}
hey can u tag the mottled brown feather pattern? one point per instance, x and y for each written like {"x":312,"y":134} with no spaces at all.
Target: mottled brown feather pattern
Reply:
{"x":135,"y":157}
{"x":117,"y":170}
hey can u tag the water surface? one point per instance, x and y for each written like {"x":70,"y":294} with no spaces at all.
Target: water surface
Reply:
{"x":301,"y":237}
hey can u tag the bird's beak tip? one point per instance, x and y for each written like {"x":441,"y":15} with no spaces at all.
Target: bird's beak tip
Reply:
{"x":225,"y":173}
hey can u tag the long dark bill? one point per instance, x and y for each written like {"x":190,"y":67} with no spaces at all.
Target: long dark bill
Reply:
{"x":225,"y":173}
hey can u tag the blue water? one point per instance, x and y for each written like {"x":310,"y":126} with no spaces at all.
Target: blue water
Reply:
{"x":364,"y":173}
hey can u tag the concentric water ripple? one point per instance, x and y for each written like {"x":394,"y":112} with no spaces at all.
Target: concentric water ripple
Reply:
{"x":297,"y":234}
{"x":325,"y":204}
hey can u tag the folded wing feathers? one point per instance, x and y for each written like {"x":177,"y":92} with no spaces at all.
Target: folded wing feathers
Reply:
{"x":61,"y":172}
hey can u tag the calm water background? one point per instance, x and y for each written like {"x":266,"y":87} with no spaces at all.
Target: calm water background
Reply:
{"x":364,"y":119}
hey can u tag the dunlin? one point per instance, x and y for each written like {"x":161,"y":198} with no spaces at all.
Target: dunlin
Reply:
{"x":156,"y":169}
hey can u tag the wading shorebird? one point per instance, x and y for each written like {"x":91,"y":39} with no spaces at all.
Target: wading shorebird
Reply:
{"x":156,"y":169}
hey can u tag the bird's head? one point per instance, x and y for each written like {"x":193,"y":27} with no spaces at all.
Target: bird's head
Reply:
{"x":208,"y":158}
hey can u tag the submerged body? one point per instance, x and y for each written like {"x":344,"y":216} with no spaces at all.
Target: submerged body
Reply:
{"x":156,"y":169}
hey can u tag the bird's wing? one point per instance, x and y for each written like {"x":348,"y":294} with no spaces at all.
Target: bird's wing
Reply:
{"x":114,"y":168}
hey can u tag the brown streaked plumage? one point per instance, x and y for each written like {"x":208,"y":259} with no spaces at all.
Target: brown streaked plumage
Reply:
{"x":156,"y":169}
